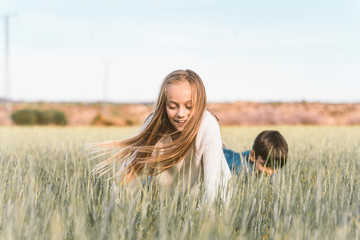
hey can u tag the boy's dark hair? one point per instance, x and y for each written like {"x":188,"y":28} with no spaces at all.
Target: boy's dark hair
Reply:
{"x":272,"y":147}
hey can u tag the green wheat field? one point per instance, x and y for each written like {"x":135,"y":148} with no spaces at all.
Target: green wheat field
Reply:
{"x":47,"y":190}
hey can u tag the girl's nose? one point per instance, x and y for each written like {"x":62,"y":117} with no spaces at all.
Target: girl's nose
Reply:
{"x":181,"y":112}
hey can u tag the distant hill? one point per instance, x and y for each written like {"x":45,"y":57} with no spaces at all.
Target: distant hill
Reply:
{"x":232,"y":113}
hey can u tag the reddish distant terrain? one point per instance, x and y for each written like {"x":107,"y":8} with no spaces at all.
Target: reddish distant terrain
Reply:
{"x":234,"y":113}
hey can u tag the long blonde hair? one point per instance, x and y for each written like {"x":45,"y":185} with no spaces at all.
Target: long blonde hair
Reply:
{"x":134,"y":155}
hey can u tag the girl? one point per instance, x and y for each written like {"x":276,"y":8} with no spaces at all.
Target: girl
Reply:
{"x":179,"y":136}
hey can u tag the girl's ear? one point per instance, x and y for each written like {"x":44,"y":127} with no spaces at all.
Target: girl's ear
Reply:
{"x":252,"y":156}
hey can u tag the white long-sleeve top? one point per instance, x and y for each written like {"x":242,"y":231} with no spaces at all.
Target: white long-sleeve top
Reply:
{"x":206,"y":158}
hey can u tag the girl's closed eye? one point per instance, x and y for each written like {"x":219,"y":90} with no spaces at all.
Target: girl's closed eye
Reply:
{"x":172,"y":107}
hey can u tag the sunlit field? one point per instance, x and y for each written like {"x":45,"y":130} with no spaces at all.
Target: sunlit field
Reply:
{"x":47,"y":190}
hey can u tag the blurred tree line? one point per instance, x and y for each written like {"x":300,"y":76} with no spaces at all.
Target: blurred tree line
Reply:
{"x":39,"y":117}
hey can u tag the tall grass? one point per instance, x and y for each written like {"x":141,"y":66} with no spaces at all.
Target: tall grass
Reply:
{"x":47,"y":191}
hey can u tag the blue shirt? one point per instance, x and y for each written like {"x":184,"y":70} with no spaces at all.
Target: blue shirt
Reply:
{"x":239,"y":163}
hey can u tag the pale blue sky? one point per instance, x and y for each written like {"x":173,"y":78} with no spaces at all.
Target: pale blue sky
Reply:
{"x":243,"y":50}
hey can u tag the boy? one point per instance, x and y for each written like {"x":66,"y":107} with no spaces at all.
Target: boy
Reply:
{"x":268,"y":154}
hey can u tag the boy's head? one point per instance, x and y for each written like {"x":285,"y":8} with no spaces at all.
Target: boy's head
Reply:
{"x":269,"y":151}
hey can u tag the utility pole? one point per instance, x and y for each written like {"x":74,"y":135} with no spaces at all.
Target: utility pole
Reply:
{"x":7,"y":108}
{"x":105,"y":86}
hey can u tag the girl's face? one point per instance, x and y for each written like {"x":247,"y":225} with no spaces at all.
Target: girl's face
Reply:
{"x":178,"y":104}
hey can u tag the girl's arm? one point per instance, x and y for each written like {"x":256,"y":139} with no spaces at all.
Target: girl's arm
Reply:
{"x":209,"y":144}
